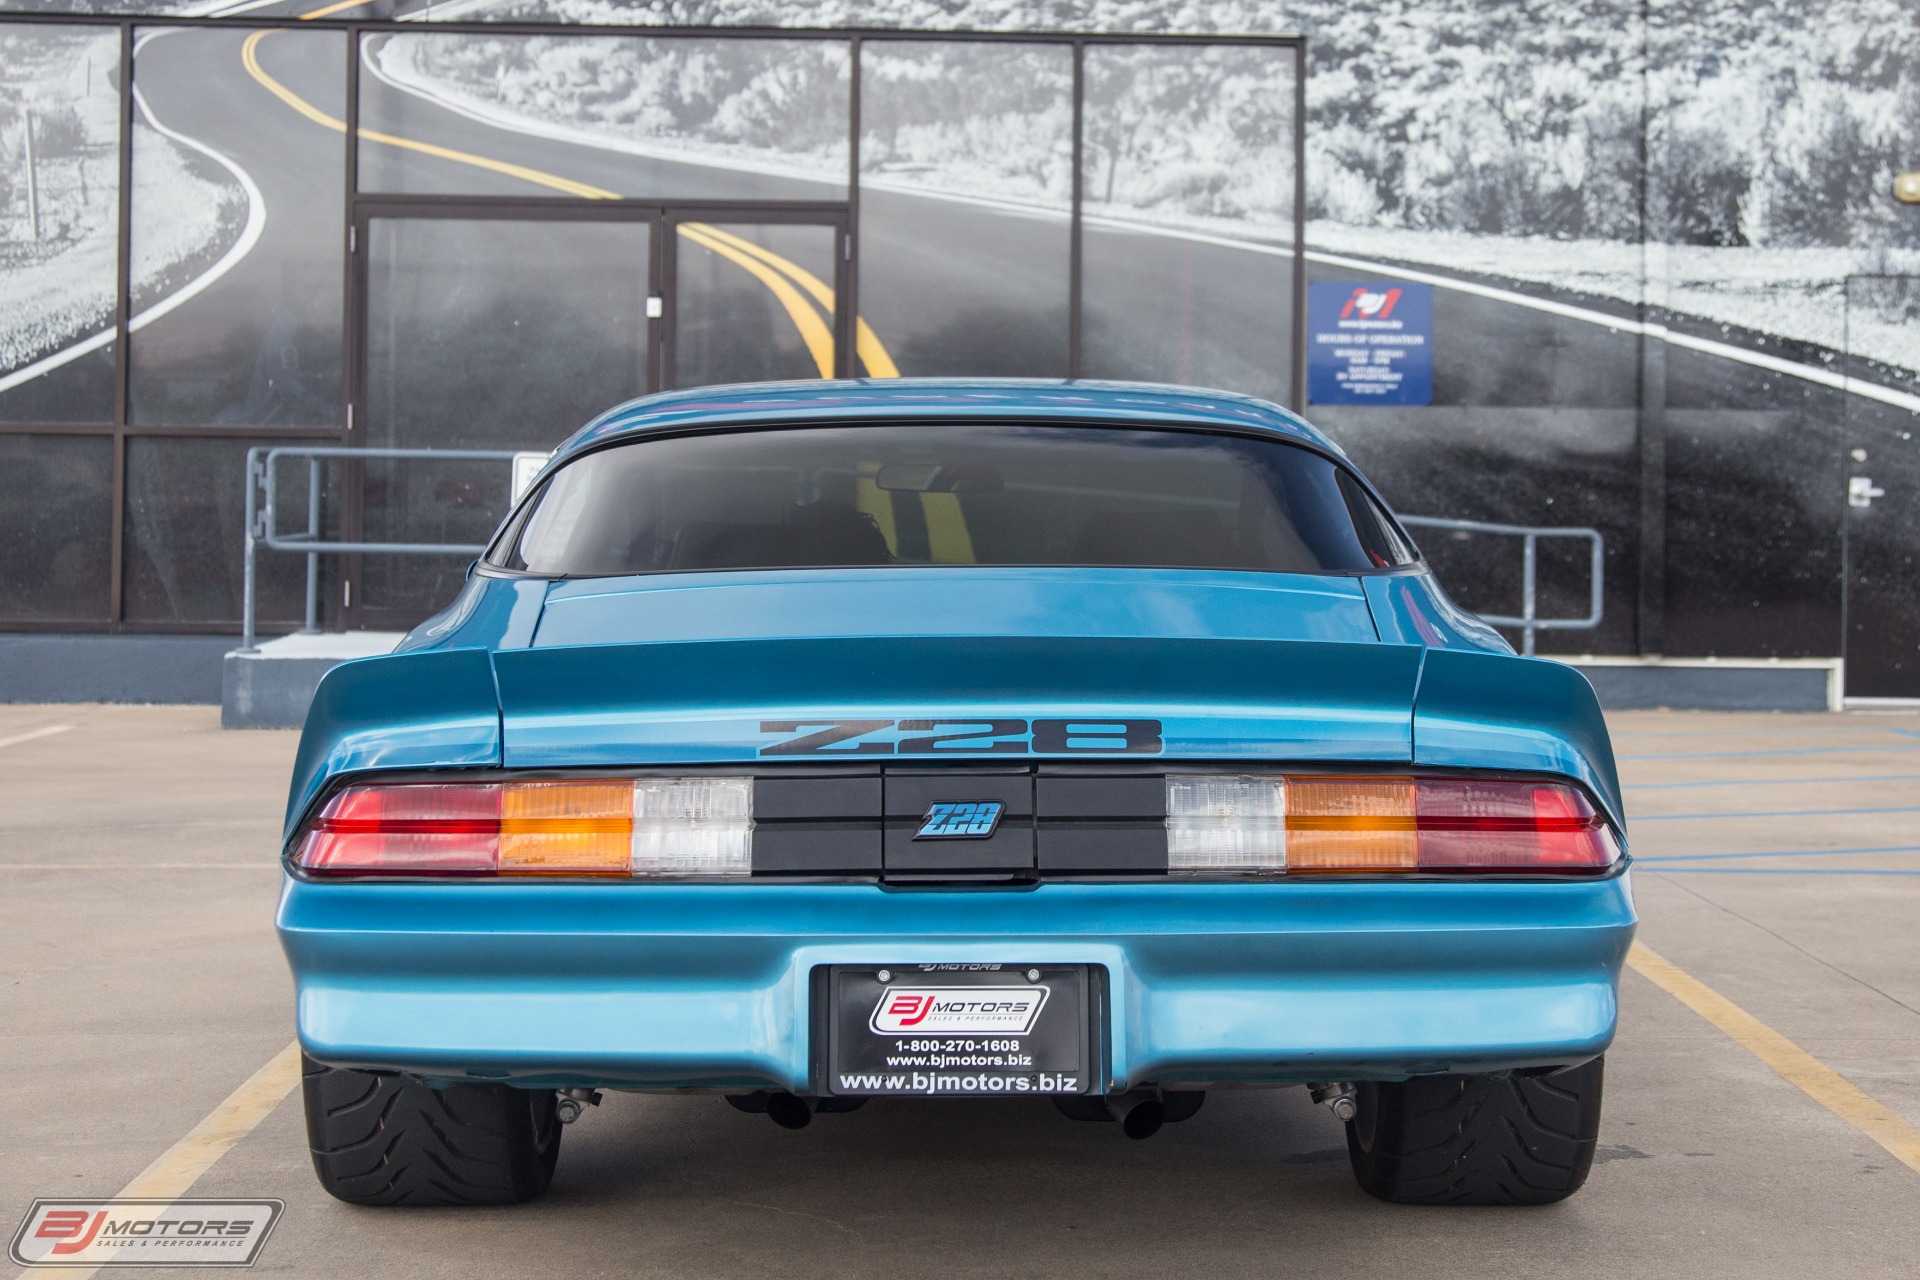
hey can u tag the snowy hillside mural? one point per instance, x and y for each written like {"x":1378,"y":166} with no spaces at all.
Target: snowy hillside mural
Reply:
{"x":59,"y":194}
{"x":59,"y":205}
{"x":1671,"y":293}
{"x":1513,"y":139}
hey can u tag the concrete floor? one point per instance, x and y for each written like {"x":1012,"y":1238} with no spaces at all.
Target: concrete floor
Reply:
{"x":142,"y":983}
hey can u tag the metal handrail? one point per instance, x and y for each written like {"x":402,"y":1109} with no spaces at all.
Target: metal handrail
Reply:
{"x":1530,"y":620}
{"x":261,"y":466}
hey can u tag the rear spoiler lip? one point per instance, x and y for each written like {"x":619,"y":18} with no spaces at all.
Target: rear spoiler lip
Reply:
{"x":456,"y":709}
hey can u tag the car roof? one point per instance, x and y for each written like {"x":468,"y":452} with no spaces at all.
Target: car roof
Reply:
{"x":937,"y":400}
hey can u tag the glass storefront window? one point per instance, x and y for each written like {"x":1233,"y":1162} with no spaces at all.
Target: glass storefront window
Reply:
{"x":966,"y":190}
{"x":186,"y":504}
{"x":238,"y":247}
{"x":56,"y":527}
{"x":1188,"y":207}
{"x":598,"y":116}
{"x":59,"y":221}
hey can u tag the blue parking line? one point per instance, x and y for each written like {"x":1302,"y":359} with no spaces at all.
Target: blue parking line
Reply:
{"x":1774,"y":813}
{"x":1776,"y":853}
{"x":1783,"y":751}
{"x":1772,"y":782}
{"x":1619,"y":734}
{"x":1772,"y":871}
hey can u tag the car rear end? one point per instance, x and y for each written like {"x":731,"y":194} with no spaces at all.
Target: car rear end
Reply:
{"x":1109,"y":833}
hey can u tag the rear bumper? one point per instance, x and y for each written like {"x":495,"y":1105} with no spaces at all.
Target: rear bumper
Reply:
{"x":706,"y":986}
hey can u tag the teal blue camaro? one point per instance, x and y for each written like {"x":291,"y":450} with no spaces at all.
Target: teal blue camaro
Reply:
{"x":811,"y":743}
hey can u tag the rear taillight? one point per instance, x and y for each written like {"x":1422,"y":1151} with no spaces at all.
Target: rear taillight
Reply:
{"x":1306,"y":824}
{"x":568,"y":827}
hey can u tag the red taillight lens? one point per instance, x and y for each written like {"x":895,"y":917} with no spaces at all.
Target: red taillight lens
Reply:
{"x":697,"y":826}
{"x":1355,"y":825}
{"x":1490,"y":825}
{"x":425,"y":829}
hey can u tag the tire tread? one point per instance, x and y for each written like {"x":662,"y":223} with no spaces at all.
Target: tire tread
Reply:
{"x":381,"y":1139}
{"x":1458,"y":1139}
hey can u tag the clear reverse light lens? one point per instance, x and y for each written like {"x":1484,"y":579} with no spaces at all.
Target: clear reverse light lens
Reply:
{"x":692,"y":826}
{"x":1226,"y":825}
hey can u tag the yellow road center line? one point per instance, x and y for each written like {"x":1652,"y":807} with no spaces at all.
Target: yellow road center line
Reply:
{"x":813,"y":331}
{"x":1792,"y":1063}
{"x":45,"y":731}
{"x":866,"y":343}
{"x":180,"y":1166}
{"x":333,"y":8}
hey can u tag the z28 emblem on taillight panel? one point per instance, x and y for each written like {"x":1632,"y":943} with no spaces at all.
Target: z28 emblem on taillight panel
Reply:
{"x":962,"y":737}
{"x":960,"y":820}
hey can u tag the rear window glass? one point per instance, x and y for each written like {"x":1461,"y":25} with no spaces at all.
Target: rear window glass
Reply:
{"x":950,"y":494}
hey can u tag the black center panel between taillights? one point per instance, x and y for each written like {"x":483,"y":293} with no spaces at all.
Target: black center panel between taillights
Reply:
{"x":1051,"y":822}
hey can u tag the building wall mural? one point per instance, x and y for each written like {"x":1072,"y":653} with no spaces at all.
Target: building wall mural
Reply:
{"x":1667,"y":271}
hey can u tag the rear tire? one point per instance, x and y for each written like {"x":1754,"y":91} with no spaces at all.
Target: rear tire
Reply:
{"x":1477,"y":1139}
{"x":387,"y":1140}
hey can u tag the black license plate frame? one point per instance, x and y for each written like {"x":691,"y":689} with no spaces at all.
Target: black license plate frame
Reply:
{"x":959,"y":1030}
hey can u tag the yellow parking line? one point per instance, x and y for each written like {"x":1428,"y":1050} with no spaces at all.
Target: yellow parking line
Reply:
{"x":741,"y":252}
{"x":1792,"y":1063}
{"x":180,"y":1166}
{"x":45,"y":731}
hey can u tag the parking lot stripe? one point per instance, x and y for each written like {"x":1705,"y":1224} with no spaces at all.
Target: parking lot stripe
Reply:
{"x":180,"y":1166}
{"x":1774,"y":813}
{"x":1777,"y":853}
{"x":45,"y":731}
{"x":1792,"y":1063}
{"x":1772,"y":782}
{"x":1776,"y":751}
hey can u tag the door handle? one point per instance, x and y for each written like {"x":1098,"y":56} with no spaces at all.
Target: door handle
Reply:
{"x":1861,"y":491}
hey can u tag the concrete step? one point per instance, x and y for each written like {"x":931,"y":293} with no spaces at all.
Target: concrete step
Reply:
{"x":270,"y":687}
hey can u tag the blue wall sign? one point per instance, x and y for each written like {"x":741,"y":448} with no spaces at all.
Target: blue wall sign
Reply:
{"x":1369,"y":343}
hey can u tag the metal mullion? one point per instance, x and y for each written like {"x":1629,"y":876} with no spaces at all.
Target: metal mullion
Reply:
{"x":353,"y":336}
{"x":844,"y":327}
{"x":205,"y":431}
{"x":573,"y":209}
{"x":657,"y":234}
{"x":1299,"y":389}
{"x":790,"y":34}
{"x":58,"y":429}
{"x":122,"y":312}
{"x":848,"y":296}
{"x":1076,"y":284}
{"x":669,"y":238}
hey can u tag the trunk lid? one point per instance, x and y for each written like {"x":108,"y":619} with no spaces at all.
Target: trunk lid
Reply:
{"x":956,"y":663}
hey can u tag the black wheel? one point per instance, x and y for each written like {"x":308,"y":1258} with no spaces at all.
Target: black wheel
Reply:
{"x":384,"y":1139}
{"x":1477,"y":1139}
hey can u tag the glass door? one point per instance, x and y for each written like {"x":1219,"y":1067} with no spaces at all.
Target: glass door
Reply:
{"x":754,"y":299}
{"x":482,"y":328}
{"x":1882,"y":512}
{"x":507,"y":325}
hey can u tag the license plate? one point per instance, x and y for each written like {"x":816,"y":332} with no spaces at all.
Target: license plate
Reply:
{"x":974,"y":1031}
